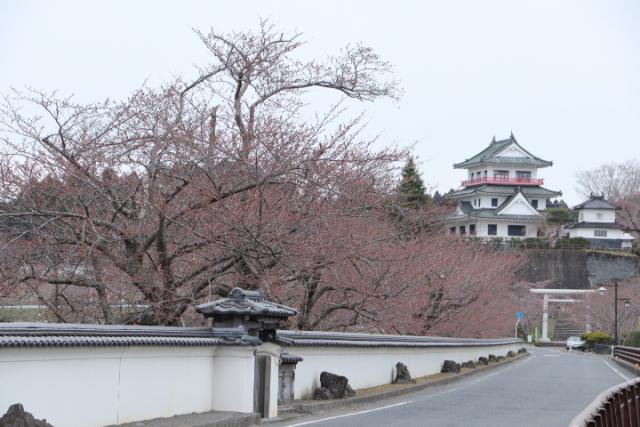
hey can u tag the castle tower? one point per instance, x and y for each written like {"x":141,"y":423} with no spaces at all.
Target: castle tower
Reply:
{"x":503,"y":194}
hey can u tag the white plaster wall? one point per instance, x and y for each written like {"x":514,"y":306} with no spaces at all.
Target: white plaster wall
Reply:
{"x":370,"y":367}
{"x":233,"y":379}
{"x":481,"y":229}
{"x":485,"y":202}
{"x":503,"y":229}
{"x":589,"y":233}
{"x":519,"y":205}
{"x":591,"y":215}
{"x":98,"y":386}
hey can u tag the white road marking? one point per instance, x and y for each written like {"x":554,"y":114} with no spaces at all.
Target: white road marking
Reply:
{"x":551,"y":355}
{"x":349,"y":415}
{"x":474,"y":382}
{"x":431,"y":396}
{"x":616,"y":371}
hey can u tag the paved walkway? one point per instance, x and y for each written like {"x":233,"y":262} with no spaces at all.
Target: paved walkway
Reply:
{"x":546,"y":389}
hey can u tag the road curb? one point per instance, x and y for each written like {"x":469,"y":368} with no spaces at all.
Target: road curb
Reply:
{"x":205,"y":419}
{"x":313,"y":407}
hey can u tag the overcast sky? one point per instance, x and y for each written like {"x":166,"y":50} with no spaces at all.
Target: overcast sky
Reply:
{"x":564,"y":76}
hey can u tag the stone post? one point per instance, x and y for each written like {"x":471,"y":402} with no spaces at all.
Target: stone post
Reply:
{"x":545,"y":319}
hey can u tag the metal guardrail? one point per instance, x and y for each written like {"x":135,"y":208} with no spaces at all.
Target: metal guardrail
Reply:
{"x":618,"y":406}
{"x":628,"y":354}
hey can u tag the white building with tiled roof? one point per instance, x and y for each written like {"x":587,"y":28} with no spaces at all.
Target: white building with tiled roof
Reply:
{"x":597,"y":223}
{"x":502,"y":195}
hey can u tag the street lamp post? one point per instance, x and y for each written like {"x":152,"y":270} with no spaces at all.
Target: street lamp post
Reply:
{"x":602,"y":290}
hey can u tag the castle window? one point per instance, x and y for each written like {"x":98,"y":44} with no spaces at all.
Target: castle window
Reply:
{"x":452,"y":230}
{"x":500,"y":174}
{"x":494,"y":203}
{"x":534,"y":203}
{"x":472,"y":229}
{"x":492,"y":229}
{"x":517,"y":230}
{"x":599,"y":215}
{"x":463,"y":229}
{"x":600,"y":233}
{"x":523,"y":174}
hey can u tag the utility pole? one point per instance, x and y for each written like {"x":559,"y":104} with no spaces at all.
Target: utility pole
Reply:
{"x":615,"y":312}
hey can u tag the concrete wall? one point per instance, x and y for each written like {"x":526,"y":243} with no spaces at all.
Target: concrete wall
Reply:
{"x":369,"y":367}
{"x":576,"y":269}
{"x":98,"y":386}
{"x":605,"y":267}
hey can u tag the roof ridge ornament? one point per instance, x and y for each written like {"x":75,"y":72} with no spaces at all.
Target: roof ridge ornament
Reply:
{"x":511,"y":137}
{"x":249,"y":311}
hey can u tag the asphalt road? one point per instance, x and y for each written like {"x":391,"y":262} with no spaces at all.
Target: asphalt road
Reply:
{"x":546,"y":389}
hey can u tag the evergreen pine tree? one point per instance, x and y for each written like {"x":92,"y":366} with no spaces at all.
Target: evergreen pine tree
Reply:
{"x":437,"y":198}
{"x":412,"y":192}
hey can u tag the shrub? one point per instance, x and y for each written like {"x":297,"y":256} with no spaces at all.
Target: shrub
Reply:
{"x":596,"y":337}
{"x":516,"y":242}
{"x":536,"y":243}
{"x":633,"y":339}
{"x":573,"y":243}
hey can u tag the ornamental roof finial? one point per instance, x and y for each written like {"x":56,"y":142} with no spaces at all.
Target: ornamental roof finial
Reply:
{"x":513,"y":138}
{"x":493,"y":139}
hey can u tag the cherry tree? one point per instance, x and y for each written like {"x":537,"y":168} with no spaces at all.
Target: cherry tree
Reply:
{"x":180,"y":192}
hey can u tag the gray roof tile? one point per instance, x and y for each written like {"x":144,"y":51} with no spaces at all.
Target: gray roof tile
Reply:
{"x":104,"y":341}
{"x":596,"y":202}
{"x":241,"y":302}
{"x":346,"y":339}
{"x":76,"y":335}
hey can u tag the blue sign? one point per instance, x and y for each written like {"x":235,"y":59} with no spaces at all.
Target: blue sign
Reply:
{"x":519,"y":315}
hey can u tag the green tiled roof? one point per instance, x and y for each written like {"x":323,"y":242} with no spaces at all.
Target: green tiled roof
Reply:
{"x":488,"y":155}
{"x":504,"y":190}
{"x":491,"y":214}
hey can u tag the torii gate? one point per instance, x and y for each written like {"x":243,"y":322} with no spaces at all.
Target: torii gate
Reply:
{"x":547,"y":300}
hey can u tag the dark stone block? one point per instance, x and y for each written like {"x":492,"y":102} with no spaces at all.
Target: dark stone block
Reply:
{"x":493,"y":358}
{"x":522,"y":350}
{"x":322,"y":394}
{"x":511,"y":354}
{"x":469,"y":364}
{"x":333,"y":386}
{"x":450,"y":366}
{"x":601,"y":348}
{"x":483,"y":361}
{"x":402,"y":375}
{"x":17,"y":417}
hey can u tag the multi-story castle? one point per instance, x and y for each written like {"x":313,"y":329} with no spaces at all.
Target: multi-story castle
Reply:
{"x":503,"y":194}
